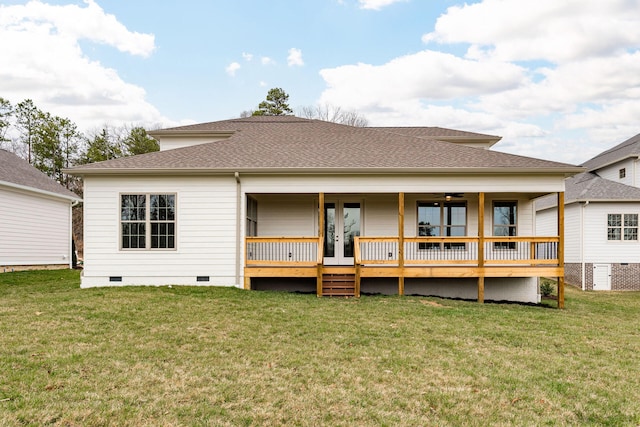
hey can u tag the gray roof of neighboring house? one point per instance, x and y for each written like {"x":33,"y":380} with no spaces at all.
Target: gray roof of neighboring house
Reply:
{"x":624,"y":150}
{"x":288,"y":143}
{"x":588,"y":186}
{"x":16,"y":171}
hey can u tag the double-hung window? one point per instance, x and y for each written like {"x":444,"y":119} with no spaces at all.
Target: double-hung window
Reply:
{"x":148,"y":221}
{"x":622,"y":227}
{"x":442,"y":219}
{"x":505,"y":223}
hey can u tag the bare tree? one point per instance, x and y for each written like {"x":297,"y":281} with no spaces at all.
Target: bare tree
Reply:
{"x":331,"y":113}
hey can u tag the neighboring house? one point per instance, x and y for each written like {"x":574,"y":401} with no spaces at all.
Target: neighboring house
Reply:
{"x":601,"y":216}
{"x":35,"y":218}
{"x":289,"y":203}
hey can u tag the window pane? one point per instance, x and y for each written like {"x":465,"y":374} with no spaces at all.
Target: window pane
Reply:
{"x":613,"y":234}
{"x":614,"y":220}
{"x":160,"y":233}
{"x":133,"y":235}
{"x":429,"y":214}
{"x":630,"y":220}
{"x":330,"y":229}
{"x":631,"y":233}
{"x":456,"y":231}
{"x":132,"y":207}
{"x":456,"y":215}
{"x":162,"y":207}
{"x":504,"y":213}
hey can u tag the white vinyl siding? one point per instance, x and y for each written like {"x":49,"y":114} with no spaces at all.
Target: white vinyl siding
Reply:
{"x":598,"y":249}
{"x":205,"y":232}
{"x":612,"y":172}
{"x":282,"y":215}
{"x":34,"y":230}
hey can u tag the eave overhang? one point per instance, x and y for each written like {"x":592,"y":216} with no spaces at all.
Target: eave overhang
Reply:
{"x":565,"y":172}
{"x":39,"y":191}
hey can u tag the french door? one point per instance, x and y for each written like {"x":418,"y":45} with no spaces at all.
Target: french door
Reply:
{"x":342,"y":224}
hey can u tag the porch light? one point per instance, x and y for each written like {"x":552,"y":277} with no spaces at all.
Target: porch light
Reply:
{"x":447,"y":197}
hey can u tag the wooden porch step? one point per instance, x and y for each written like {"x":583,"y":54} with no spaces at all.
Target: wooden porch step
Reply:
{"x":339,"y":285}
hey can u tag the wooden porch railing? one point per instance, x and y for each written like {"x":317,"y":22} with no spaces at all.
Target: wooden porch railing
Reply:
{"x":308,"y":251}
{"x":283,"y":251}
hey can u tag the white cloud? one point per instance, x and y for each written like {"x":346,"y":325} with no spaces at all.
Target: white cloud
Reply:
{"x":247,"y":56}
{"x":232,"y":68}
{"x":295,"y":58}
{"x":58,"y":76}
{"x":377,"y":4}
{"x":265,"y":60}
{"x":521,"y":30}
{"x":426,"y":75}
{"x":553,"y":78}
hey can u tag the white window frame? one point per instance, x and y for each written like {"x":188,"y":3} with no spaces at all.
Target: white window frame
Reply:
{"x":443,"y":227}
{"x":148,"y":222}
{"x":627,"y":225}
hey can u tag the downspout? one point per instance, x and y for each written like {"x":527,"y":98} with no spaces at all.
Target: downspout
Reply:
{"x":238,"y":226}
{"x":582,"y":239}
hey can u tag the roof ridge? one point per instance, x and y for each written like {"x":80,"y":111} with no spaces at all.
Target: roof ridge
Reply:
{"x":629,"y":142}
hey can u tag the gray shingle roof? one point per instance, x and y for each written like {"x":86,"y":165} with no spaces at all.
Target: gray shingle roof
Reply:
{"x":17,"y":171}
{"x":276,"y":143}
{"x":588,"y":186}
{"x":626,"y":149}
{"x":438,"y":133}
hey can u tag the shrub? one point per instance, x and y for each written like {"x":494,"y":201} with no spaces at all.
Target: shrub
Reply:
{"x":546,"y":287}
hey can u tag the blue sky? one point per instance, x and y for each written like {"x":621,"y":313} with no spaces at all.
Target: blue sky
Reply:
{"x":557,"y":80}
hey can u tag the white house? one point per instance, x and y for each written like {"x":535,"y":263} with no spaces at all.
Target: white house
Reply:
{"x":289,"y":203}
{"x":601,"y":216}
{"x":36,"y":219}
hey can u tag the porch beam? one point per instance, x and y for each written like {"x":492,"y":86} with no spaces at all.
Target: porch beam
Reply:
{"x":481,"y":248}
{"x":561,"y":248}
{"x":401,"y":243}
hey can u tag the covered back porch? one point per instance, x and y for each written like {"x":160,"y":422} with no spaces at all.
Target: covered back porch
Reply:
{"x":419,"y":237}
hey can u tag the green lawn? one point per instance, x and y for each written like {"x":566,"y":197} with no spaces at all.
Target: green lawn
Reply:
{"x":214,"y":356}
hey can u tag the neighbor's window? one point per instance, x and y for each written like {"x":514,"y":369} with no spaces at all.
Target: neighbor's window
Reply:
{"x":148,"y":221}
{"x":505,"y":223}
{"x":442,"y":219}
{"x":622,"y":227}
{"x":252,"y":217}
{"x":622,"y":173}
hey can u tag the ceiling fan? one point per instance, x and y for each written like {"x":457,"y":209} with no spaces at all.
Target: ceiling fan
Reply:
{"x":449,"y":196}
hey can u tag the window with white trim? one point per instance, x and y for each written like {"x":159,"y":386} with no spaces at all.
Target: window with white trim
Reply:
{"x":622,"y":227}
{"x":442,"y":219}
{"x":147,"y":221}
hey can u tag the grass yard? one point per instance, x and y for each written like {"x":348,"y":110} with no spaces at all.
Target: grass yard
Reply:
{"x":215,"y":356}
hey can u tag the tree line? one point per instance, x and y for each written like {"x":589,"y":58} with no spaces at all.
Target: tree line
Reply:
{"x":51,"y":143}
